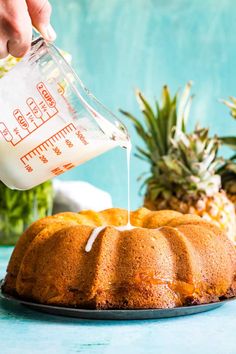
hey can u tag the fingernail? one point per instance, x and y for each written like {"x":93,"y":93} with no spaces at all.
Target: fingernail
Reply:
{"x":49,"y":33}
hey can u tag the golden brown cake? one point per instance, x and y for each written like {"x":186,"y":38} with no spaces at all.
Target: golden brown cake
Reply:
{"x":167,"y":260}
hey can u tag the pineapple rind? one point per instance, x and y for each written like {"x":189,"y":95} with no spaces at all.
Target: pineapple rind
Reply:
{"x":217,"y":209}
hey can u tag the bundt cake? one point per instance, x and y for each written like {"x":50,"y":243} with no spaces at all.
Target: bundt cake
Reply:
{"x":166,"y":260}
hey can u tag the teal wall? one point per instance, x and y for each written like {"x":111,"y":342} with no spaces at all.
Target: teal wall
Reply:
{"x":118,"y":45}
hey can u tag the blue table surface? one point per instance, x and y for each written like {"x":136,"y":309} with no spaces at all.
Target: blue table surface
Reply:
{"x":25,"y":331}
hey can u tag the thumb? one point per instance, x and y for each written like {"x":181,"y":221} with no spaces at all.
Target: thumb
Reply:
{"x":40,"y":13}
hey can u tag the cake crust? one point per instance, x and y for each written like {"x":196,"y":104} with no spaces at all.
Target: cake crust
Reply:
{"x":167,"y":260}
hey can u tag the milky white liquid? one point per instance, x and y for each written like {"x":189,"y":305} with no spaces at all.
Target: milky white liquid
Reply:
{"x":128,"y":156}
{"x":97,"y":230}
{"x":14,"y":172}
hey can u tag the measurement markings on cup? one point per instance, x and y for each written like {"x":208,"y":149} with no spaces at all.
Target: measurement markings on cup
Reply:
{"x":48,"y":144}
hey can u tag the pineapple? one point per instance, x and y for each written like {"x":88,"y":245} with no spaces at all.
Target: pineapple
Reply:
{"x":183,"y":166}
{"x":228,"y":170}
{"x":228,"y":177}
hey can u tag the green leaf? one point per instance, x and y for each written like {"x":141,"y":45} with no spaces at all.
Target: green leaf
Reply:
{"x":144,"y":153}
{"x":184,"y":107}
{"x":151,"y":122}
{"x":20,"y":208}
{"x":229,"y":141}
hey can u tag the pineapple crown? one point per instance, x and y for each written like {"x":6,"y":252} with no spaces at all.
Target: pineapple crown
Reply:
{"x":228,"y":169}
{"x":232,"y":105}
{"x":160,"y":124}
{"x":191,"y":165}
{"x":181,"y":164}
{"x":228,"y":175}
{"x":230,"y":141}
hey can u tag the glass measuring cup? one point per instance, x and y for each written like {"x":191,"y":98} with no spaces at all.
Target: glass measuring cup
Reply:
{"x":49,"y":122}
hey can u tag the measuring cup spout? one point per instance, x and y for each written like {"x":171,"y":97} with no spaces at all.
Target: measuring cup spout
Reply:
{"x":109,"y":124}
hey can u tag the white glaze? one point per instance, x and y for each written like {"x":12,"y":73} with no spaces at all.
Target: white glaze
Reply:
{"x":125,"y":227}
{"x":97,"y":230}
{"x":92,"y":237}
{"x":128,"y":155}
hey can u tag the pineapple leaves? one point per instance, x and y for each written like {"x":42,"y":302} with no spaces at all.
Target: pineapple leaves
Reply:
{"x":231,"y":167}
{"x":229,"y":141}
{"x":190,"y":167}
{"x":151,"y":122}
{"x":138,"y":126}
{"x":160,"y":126}
{"x":231,"y":105}
{"x":160,"y":129}
{"x":184,"y":108}
{"x":181,"y":164}
{"x":171,"y":127}
{"x":228,"y":169}
{"x":143,"y":155}
{"x":233,"y":158}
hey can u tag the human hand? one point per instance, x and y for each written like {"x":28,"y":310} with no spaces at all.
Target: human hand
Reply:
{"x":16,"y":20}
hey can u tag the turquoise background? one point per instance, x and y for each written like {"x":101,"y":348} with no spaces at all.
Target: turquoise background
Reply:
{"x":118,"y":45}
